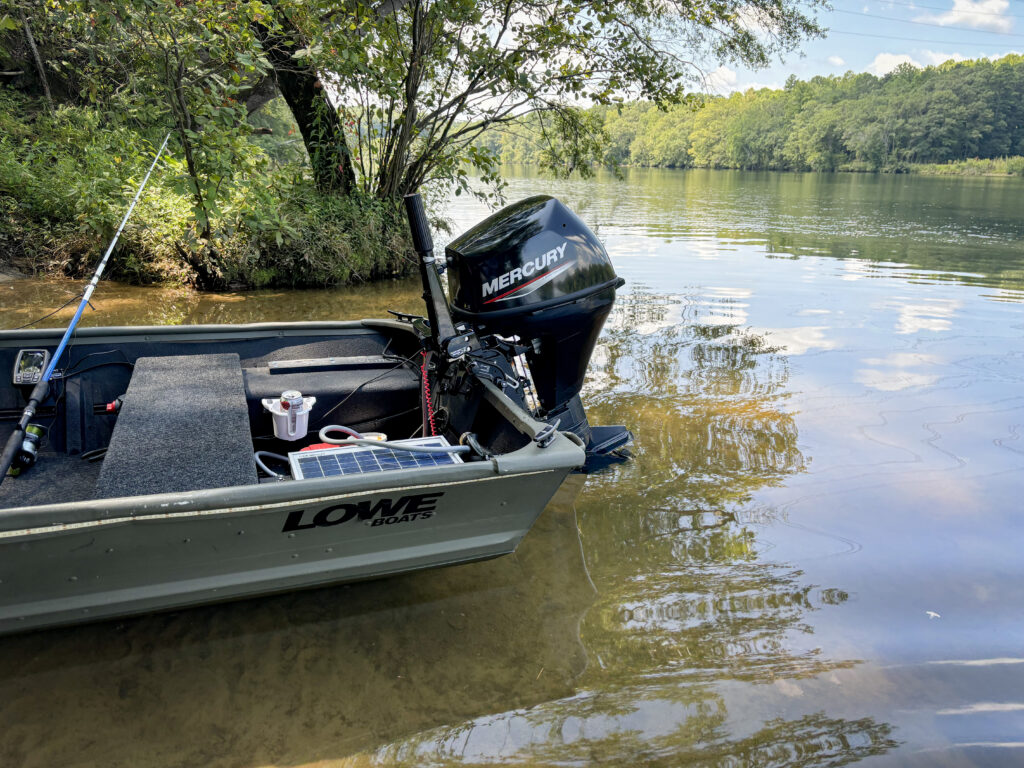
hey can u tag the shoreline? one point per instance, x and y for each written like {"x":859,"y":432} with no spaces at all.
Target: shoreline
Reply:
{"x":965,"y":169}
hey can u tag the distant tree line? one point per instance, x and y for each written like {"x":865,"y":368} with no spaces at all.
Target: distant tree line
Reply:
{"x":940,"y":114}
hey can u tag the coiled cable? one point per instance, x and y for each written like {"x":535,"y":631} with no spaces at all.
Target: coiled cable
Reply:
{"x":360,"y":440}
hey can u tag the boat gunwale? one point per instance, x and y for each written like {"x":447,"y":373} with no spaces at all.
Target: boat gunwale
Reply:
{"x":10,"y":336}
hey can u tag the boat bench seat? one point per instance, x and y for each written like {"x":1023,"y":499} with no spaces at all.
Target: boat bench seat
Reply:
{"x":184,"y":426}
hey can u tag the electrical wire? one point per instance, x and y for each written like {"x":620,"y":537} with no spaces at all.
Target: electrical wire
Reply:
{"x":73,"y":366}
{"x":259,"y":463}
{"x":404,"y":361}
{"x":917,"y":39}
{"x":425,"y":377}
{"x":914,"y":6}
{"x":68,"y":375}
{"x":367,"y":425}
{"x":350,"y":432}
{"x":928,"y":24}
{"x":72,"y":373}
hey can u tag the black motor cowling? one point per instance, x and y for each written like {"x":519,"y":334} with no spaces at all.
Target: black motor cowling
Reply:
{"x":536,"y":271}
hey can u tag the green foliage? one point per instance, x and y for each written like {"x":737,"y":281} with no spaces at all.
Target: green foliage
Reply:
{"x":276,"y":133}
{"x":65,"y":182}
{"x":176,"y":64}
{"x":996,"y":166}
{"x":423,"y":83}
{"x":388,"y":98}
{"x":942,"y":115}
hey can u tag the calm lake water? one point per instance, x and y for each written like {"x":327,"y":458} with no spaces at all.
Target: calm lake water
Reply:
{"x":815,"y":557}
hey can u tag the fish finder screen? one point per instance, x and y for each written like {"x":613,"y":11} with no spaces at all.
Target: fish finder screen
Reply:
{"x":31,"y":362}
{"x":28,"y":368}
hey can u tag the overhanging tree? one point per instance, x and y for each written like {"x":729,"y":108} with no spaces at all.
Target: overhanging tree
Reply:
{"x":418,"y":82}
{"x":299,"y":83}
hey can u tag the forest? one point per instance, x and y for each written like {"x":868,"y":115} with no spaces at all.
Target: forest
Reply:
{"x":958,"y":117}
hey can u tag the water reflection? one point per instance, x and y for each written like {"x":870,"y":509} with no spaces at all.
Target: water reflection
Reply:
{"x":304,"y":677}
{"x":22,"y":301}
{"x":828,"y":418}
{"x":539,"y":737}
{"x":675,"y":561}
{"x":688,"y":605}
{"x":961,"y":230}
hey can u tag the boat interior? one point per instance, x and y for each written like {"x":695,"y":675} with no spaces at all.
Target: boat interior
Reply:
{"x":137,"y":414}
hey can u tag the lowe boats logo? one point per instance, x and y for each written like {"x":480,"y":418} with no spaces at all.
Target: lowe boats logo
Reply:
{"x":417,"y":506}
{"x":527,"y":270}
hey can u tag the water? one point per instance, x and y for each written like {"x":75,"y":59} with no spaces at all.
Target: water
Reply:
{"x":813,"y":559}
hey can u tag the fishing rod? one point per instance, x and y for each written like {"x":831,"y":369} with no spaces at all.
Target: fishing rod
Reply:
{"x":42,"y":389}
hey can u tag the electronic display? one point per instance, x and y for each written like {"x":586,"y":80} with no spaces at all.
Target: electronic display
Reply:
{"x":28,"y":368}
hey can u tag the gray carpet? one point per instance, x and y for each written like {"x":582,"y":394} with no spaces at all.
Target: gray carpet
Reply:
{"x":184,"y":426}
{"x":55,"y":479}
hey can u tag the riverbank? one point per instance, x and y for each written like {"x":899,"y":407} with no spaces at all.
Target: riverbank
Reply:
{"x":999,"y":166}
{"x":66,"y":180}
{"x":973,"y":166}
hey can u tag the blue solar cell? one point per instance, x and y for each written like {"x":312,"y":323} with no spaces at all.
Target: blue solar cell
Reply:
{"x":335,"y":462}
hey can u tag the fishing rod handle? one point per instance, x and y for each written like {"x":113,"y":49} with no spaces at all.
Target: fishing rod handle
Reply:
{"x":13,"y":445}
{"x":10,"y":452}
{"x":421,"y":239}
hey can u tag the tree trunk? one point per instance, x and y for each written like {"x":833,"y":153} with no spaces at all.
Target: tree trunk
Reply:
{"x":37,"y":58}
{"x":262,"y":91}
{"x":322,"y":131}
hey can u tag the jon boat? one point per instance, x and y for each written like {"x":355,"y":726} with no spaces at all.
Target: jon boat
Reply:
{"x":168,"y":465}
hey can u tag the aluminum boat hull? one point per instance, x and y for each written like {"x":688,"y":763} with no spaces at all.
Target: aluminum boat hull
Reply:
{"x":101,"y":558}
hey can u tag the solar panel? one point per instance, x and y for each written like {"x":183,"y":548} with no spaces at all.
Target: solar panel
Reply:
{"x":336,"y":462}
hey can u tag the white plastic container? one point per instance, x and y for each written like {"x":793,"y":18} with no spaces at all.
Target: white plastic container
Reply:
{"x":290,"y":413}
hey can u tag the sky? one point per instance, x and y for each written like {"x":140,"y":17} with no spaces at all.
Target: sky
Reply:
{"x":877,"y":36}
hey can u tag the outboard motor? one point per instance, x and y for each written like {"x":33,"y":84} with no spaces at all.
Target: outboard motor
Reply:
{"x":536,"y":271}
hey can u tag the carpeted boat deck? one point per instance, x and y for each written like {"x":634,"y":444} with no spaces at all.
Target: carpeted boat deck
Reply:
{"x":184,"y":426}
{"x":55,"y":479}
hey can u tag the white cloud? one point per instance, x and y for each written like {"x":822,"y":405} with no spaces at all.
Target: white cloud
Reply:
{"x":798,"y":341}
{"x":775,"y":86}
{"x":894,"y":380}
{"x":977,"y":14}
{"x":935,"y":315}
{"x":894,"y":372}
{"x":836,"y":61}
{"x":903,"y":360}
{"x":936,"y":57}
{"x":887,"y":62}
{"x":996,"y":56}
{"x":722,"y":78}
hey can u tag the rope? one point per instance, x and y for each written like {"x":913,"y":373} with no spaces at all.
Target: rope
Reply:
{"x":426,"y":395}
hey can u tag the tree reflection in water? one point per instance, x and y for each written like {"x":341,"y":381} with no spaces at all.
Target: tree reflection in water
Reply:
{"x":484,"y":663}
{"x":688,"y":608}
